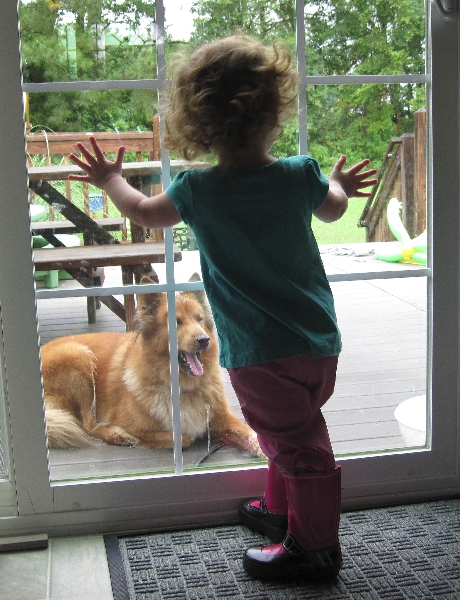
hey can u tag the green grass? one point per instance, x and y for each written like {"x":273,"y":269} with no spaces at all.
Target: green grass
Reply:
{"x":344,"y":231}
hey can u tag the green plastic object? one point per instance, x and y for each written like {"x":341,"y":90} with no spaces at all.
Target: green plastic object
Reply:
{"x":409,"y":251}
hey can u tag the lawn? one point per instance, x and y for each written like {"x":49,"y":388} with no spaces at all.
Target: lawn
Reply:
{"x":344,"y":231}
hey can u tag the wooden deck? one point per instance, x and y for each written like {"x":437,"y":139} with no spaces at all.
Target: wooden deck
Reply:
{"x":384,"y":331}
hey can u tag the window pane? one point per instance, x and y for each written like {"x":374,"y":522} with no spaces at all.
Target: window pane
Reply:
{"x":78,"y":215}
{"x":385,"y":123}
{"x":383,"y":363}
{"x":84,"y":41}
{"x":358,"y":120}
{"x":366,"y":38}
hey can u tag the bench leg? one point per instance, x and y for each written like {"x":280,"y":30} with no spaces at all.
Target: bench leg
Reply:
{"x":52,"y":279}
{"x":94,"y":302}
{"x":127,"y":277}
{"x":91,"y":309}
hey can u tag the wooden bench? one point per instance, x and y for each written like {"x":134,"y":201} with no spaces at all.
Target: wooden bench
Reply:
{"x":81,"y":261}
{"x":50,"y":229}
{"x":44,"y":227}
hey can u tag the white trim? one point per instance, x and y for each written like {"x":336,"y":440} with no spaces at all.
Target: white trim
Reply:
{"x":192,"y":286}
{"x":81,"y":86}
{"x":140,"y":84}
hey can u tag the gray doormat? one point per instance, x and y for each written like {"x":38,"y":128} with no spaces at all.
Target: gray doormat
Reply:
{"x":398,"y":553}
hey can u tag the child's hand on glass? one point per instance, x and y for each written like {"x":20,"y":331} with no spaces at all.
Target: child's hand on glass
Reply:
{"x":352,"y":181}
{"x":99,"y":171}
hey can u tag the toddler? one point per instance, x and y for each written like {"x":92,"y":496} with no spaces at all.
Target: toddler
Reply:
{"x":264,"y":278}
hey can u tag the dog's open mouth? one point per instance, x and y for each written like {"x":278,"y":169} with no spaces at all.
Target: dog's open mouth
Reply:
{"x":191,"y":363}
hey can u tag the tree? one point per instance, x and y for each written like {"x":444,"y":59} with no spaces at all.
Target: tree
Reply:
{"x":267,"y":19}
{"x":358,"y":37}
{"x":342,"y":37}
{"x":66,"y":41}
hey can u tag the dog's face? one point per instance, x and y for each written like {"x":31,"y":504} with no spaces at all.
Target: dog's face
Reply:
{"x":192,"y":337}
{"x":195,"y":326}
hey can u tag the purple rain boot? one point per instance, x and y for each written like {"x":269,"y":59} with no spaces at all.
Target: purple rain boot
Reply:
{"x":269,"y":514}
{"x":311,"y":549}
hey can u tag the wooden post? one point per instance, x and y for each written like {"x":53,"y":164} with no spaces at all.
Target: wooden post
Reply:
{"x":420,"y":171}
{"x":157,"y":234}
{"x":407,"y":172}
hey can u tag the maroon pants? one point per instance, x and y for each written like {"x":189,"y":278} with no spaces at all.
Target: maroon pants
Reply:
{"x":281,"y":400}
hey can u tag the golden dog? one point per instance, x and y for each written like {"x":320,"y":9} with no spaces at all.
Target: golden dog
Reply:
{"x":116,"y":386}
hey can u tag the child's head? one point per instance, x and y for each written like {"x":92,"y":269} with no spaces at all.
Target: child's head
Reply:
{"x":228,"y":94}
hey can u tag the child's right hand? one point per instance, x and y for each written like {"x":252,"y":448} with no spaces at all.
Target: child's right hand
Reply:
{"x":99,"y":170}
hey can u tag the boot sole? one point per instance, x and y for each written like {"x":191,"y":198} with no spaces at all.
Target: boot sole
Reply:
{"x":294,"y":572}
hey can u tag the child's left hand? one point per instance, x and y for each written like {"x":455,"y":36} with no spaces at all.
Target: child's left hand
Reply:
{"x":352,"y":181}
{"x":99,"y":170}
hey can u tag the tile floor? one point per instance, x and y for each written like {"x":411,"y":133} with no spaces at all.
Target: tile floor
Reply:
{"x":69,"y":569}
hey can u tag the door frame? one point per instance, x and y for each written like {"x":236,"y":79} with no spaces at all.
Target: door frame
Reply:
{"x":151,"y":503}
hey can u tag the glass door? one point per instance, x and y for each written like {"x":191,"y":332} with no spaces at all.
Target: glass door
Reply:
{"x":94,"y":488}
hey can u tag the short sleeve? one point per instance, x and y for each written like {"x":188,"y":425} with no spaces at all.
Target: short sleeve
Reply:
{"x":180,"y":194}
{"x":318,"y":183}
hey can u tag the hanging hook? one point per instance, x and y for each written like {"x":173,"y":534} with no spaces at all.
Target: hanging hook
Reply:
{"x":447,"y":8}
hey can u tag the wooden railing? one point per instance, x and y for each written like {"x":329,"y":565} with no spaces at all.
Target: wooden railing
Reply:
{"x":402,"y":175}
{"x":145,"y":144}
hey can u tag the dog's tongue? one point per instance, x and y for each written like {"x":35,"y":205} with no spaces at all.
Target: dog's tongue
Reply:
{"x":195,"y":365}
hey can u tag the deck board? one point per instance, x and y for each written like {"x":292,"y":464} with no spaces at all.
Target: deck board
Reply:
{"x":383,"y":362}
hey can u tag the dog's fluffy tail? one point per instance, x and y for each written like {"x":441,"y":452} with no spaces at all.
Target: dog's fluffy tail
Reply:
{"x":64,"y":430}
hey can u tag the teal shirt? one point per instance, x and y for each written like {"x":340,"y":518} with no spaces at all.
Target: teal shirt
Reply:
{"x":261,"y":266}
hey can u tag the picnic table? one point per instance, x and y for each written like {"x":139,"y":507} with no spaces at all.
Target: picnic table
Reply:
{"x":101,"y":247}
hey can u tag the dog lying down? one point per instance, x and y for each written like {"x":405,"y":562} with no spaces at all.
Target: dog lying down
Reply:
{"x":115,"y":387}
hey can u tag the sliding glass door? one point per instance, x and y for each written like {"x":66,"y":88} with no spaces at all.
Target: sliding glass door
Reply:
{"x":393,"y":415}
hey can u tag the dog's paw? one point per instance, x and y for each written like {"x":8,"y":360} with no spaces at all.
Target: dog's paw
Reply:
{"x":120,"y":437}
{"x":249,"y":443}
{"x":254,"y":448}
{"x":186,"y":441}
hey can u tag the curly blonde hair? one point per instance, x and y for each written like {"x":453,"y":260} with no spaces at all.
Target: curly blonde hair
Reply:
{"x":228,"y":93}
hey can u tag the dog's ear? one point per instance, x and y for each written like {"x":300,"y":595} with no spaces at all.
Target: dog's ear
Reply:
{"x":200,"y":295}
{"x":147,"y":309}
{"x":148,"y":278}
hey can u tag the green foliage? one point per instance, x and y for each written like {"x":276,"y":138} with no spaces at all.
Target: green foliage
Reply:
{"x":62,"y":41}
{"x":65,"y":41}
{"x":342,"y":37}
{"x":265,"y":19}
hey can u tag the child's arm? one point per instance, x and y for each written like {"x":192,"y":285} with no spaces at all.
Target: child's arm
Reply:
{"x":344,"y":185}
{"x":153,"y":212}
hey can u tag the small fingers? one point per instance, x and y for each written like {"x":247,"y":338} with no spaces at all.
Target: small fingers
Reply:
{"x":74,"y":158}
{"x":120,"y":155}
{"x":96,"y":149}
{"x":367,"y":183}
{"x":340,"y":163}
{"x":76,"y":177}
{"x":363,"y":194}
{"x":356,"y":168}
{"x":87,"y":154}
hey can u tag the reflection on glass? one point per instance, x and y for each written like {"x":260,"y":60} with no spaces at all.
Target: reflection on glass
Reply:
{"x":86,"y":41}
